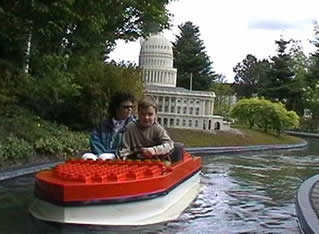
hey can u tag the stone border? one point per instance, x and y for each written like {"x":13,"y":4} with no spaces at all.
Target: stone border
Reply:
{"x":303,"y":134}
{"x":11,"y":173}
{"x":236,"y":149}
{"x":308,"y":219}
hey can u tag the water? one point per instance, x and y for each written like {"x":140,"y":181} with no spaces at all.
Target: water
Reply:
{"x":242,"y":193}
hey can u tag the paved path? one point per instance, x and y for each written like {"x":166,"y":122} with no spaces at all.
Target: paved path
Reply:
{"x":307,"y":201}
{"x":307,"y":205}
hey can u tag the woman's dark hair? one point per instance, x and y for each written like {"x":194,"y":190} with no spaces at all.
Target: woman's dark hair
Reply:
{"x":116,"y":100}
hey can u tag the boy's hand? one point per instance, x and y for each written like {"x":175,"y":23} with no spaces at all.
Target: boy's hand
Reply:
{"x":148,"y":152}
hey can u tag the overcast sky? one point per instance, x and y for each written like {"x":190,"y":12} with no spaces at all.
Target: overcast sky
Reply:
{"x":231,"y":29}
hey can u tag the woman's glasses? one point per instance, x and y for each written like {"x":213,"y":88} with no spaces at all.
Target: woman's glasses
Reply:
{"x":127,"y":106}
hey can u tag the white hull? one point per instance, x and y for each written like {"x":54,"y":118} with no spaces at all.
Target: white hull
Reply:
{"x":159,"y":209}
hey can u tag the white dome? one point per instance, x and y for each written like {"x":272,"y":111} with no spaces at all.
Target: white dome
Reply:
{"x":157,"y":44}
{"x":156,"y":60}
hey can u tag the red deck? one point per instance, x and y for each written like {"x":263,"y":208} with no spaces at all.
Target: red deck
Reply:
{"x":84,"y":181}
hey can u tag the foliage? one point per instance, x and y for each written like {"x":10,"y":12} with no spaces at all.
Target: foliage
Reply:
{"x":249,"y":75}
{"x":274,"y":116}
{"x":98,"y":82}
{"x":300,"y":64}
{"x":224,"y":94}
{"x":311,"y":89}
{"x":311,"y":98}
{"x":73,"y":91}
{"x":47,"y":92}
{"x":278,"y":85}
{"x":9,"y":81}
{"x":14,"y":148}
{"x":309,"y":125}
{"x":73,"y":27}
{"x":246,"y":111}
{"x":191,"y":59}
{"x":24,"y":135}
{"x":65,"y":144}
{"x":265,"y":114}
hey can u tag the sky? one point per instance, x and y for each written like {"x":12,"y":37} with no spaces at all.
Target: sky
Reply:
{"x":232,"y":29}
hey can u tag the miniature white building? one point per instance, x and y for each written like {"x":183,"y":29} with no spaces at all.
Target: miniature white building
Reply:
{"x":178,"y":107}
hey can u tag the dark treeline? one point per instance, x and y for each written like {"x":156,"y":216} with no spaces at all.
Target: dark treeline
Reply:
{"x":52,"y":54}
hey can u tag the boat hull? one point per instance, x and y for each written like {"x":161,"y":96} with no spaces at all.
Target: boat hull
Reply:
{"x":149,"y":211}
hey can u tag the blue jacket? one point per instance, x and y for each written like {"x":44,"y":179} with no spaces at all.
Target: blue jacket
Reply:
{"x":105,"y":140}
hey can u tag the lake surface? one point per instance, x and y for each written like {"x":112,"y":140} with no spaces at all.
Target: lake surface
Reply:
{"x":242,"y":193}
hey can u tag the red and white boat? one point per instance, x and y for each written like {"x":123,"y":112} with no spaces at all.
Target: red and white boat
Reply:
{"x":115,"y":192}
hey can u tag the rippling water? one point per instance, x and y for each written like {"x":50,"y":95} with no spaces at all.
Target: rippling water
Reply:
{"x":242,"y":193}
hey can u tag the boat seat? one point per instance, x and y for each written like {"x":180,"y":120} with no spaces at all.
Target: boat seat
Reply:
{"x":177,"y":153}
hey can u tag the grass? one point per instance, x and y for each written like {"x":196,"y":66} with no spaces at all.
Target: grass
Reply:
{"x":236,"y":137}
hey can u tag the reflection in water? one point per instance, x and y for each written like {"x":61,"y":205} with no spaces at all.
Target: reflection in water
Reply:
{"x":247,"y":193}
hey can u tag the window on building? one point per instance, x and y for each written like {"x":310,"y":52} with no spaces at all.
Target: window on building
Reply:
{"x":196,"y":123}
{"x":191,"y":110}
{"x":172,"y":109}
{"x":159,"y":120}
{"x":171,"y":122}
{"x":184,"y":110}
{"x":197,"y":111}
{"x":165,"y":122}
{"x":160,"y":109}
{"x":190,"y":123}
{"x":177,"y":122}
{"x":178,"y":110}
{"x":166,"y":108}
{"x":184,"y":122}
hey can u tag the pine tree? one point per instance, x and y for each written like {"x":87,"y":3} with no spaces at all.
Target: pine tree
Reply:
{"x":191,"y":60}
{"x":312,"y":79}
{"x":249,"y":75}
{"x":278,"y":85}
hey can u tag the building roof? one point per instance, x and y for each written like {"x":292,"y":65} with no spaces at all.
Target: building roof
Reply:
{"x":178,"y":91}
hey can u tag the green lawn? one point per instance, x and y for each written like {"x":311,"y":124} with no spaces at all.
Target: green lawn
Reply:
{"x":236,"y":137}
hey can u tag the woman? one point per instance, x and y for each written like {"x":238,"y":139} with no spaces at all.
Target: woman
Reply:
{"x":105,"y":142}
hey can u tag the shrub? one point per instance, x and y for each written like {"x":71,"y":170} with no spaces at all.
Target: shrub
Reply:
{"x":15,"y":148}
{"x":63,"y":145}
{"x":265,"y":114}
{"x":31,"y":135}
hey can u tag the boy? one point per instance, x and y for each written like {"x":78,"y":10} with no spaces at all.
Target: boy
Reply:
{"x":145,"y":138}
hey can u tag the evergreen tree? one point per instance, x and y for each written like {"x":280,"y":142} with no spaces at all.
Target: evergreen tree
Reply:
{"x":312,"y":79}
{"x":300,"y":66}
{"x":249,"y":74}
{"x":278,"y":85}
{"x":191,"y":59}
